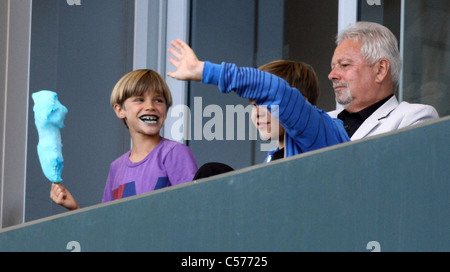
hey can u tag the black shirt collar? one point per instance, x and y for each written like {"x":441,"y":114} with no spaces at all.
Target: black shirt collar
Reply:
{"x":365,"y":113}
{"x":352,"y":121}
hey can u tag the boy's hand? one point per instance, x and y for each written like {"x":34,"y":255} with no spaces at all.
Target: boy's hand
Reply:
{"x":187,"y":64}
{"x":60,"y":195}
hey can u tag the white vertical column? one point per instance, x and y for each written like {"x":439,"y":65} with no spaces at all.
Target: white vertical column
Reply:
{"x":14,"y":62}
{"x":4,"y":22}
{"x":157,"y":22}
{"x":177,"y":27}
{"x":347,"y":15}
{"x":402,"y":48}
{"x":140,"y":34}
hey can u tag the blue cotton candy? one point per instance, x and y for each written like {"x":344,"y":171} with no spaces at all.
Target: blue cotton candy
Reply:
{"x":49,"y":116}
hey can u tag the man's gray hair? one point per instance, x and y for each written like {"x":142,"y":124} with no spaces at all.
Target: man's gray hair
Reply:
{"x":378,"y":42}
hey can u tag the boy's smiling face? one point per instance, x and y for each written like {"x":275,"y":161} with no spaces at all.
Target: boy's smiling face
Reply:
{"x":144,"y":114}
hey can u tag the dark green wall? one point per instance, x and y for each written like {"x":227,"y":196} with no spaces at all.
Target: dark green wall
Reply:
{"x":392,"y":189}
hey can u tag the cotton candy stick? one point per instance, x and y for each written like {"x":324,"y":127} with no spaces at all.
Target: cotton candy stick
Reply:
{"x":49,"y":116}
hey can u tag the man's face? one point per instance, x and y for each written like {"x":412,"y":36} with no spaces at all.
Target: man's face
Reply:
{"x":353,"y":80}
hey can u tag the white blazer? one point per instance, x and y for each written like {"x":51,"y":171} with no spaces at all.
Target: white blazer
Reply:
{"x":392,"y":116}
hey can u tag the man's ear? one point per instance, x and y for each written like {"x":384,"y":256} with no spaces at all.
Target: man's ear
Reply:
{"x":119,"y":111}
{"x":382,"y":67}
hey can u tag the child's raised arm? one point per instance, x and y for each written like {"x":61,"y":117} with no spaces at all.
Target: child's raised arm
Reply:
{"x":187,"y":64}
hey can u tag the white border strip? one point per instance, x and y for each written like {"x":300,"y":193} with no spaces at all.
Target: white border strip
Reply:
{"x":178,"y":13}
{"x":347,"y":15}
{"x":140,"y":34}
{"x":402,"y":47}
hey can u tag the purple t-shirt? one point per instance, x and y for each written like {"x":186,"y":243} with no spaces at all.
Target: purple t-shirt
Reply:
{"x":170,"y":163}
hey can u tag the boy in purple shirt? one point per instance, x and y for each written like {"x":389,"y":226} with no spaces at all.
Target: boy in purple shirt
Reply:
{"x":141,"y":99}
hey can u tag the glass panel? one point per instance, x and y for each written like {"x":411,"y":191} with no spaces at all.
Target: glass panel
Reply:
{"x":78,"y":51}
{"x":426,"y":73}
{"x":252,"y":33}
{"x":310,"y":29}
{"x":386,"y":13}
{"x":425,"y":46}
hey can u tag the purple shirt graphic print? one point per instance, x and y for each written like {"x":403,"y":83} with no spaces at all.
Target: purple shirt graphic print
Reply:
{"x":170,"y":163}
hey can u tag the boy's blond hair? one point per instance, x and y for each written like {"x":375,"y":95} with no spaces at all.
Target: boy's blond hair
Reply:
{"x":137,"y":83}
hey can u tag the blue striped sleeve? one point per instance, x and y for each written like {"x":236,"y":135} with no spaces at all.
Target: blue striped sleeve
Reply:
{"x":310,"y":128}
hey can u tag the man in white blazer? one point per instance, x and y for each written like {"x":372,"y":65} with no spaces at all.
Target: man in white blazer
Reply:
{"x":365,"y":72}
